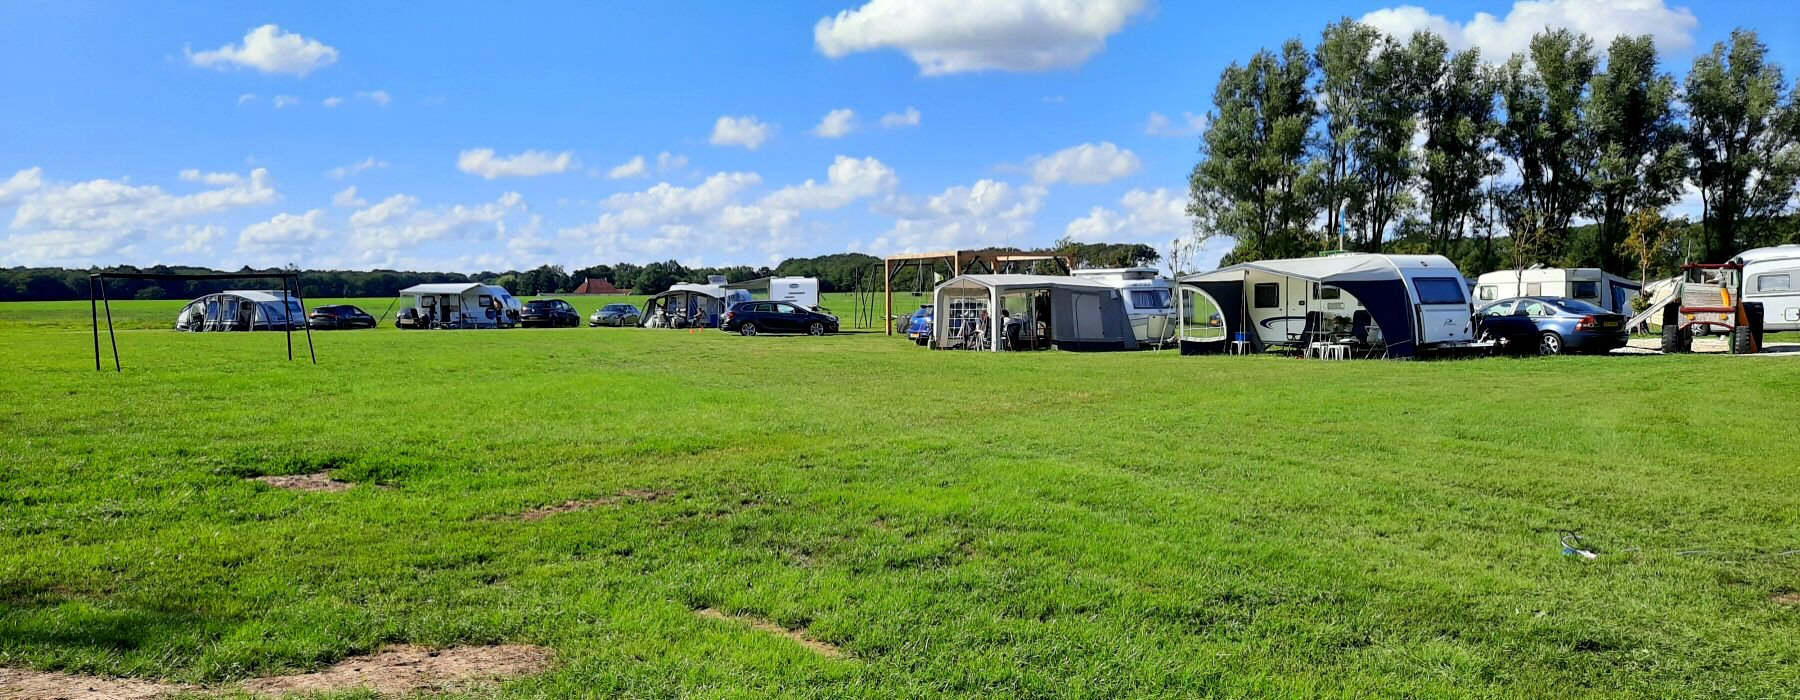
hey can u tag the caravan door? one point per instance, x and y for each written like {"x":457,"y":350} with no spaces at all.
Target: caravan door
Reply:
{"x":1443,"y":310}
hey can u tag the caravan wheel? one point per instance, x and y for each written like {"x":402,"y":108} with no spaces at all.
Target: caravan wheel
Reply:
{"x":747,"y":329}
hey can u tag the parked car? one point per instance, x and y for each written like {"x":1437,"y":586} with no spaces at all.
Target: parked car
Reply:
{"x":918,"y":326}
{"x":550,"y":313}
{"x":753,"y":317}
{"x":615,"y":315}
{"x":340,"y":316}
{"x":1549,"y":326}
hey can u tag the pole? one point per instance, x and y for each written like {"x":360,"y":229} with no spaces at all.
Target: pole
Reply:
{"x":94,"y":315}
{"x":110,"y":336}
{"x":287,"y":313}
{"x":303,"y":318}
{"x":887,"y":285}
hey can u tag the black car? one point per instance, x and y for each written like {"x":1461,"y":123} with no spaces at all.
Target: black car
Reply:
{"x":753,"y":317}
{"x":550,"y":313}
{"x":1550,"y":326}
{"x":620,"y":315}
{"x":340,"y":317}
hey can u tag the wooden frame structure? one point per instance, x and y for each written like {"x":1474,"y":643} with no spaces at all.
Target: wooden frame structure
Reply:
{"x":961,"y":263}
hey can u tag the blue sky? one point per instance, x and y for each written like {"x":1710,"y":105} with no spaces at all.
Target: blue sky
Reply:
{"x":481,"y":136}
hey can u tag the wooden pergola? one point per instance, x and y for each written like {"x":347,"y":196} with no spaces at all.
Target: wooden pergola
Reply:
{"x":961,"y":262}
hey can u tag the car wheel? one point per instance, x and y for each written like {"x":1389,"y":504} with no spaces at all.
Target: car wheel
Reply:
{"x":1550,"y":344}
{"x":747,"y":329}
{"x":815,"y":328}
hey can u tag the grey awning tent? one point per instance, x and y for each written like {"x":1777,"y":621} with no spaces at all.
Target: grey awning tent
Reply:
{"x":1084,"y":314}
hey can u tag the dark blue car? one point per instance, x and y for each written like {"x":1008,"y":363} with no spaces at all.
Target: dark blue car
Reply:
{"x":1549,"y":326}
{"x":918,"y":327}
{"x":753,"y":317}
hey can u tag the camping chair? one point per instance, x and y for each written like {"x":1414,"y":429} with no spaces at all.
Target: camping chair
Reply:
{"x":1309,"y":333}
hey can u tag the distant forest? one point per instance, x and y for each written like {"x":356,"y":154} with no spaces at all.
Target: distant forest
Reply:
{"x":836,"y":273}
{"x":1399,"y":144}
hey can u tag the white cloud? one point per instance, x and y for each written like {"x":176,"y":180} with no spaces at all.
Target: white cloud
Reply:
{"x":192,"y":239}
{"x":636,"y":167}
{"x":1671,"y":28}
{"x":285,"y":231}
{"x":218,"y":179}
{"x":1191,"y":125}
{"x":270,"y":50}
{"x":331,"y":102}
{"x":847,"y":180}
{"x":666,"y":161}
{"x":246,"y":98}
{"x":483,"y":162}
{"x":347,"y":198}
{"x":954,"y":36}
{"x":743,"y":131}
{"x":836,"y":124}
{"x":282,"y":101}
{"x":988,"y":213}
{"x":21,"y":183}
{"x":1150,"y":217}
{"x":394,"y":225}
{"x":1086,"y":164}
{"x":342,"y":172}
{"x":86,"y":221}
{"x":379,"y":97}
{"x":892,"y":120}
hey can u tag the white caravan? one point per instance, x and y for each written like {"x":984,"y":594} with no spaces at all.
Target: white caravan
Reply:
{"x":459,"y":305}
{"x":1400,"y":304}
{"x":801,"y":291}
{"x":1149,"y":299}
{"x":1772,"y":277}
{"x":1589,"y":284}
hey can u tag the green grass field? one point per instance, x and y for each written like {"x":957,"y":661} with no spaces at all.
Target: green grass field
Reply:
{"x":960,"y":524}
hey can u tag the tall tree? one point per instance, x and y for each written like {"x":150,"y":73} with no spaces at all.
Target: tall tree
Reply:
{"x":1745,"y":141}
{"x":1544,"y":133}
{"x":1382,"y":145}
{"x":1343,"y":58}
{"x":1641,"y":158}
{"x":1457,"y":115}
{"x":1254,"y":182}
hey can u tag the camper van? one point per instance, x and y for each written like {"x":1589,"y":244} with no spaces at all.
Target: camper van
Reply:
{"x":1589,"y":284}
{"x":1149,"y":299}
{"x":1400,"y":304}
{"x":1771,"y":276}
{"x":458,"y":305}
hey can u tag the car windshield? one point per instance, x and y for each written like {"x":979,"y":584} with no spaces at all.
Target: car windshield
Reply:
{"x":1577,"y":306}
{"x":542,"y":304}
{"x":622,"y":308}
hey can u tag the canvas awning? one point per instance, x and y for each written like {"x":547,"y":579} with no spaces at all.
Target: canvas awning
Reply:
{"x":1375,"y":281}
{"x":455,"y":288}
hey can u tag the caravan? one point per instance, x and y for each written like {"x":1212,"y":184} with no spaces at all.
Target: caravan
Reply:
{"x":1769,"y":277}
{"x":801,"y":291}
{"x":458,"y":305}
{"x":1391,"y":305}
{"x":1589,"y":284}
{"x":1149,"y":299}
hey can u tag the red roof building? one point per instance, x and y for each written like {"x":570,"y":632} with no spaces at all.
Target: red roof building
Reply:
{"x":599,"y":286}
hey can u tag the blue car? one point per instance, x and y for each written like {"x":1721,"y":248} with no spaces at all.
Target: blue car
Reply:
{"x":1549,"y":326}
{"x":918,"y":327}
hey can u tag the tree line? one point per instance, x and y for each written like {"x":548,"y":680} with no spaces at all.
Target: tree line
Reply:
{"x":842,"y":272}
{"x":1558,"y":155}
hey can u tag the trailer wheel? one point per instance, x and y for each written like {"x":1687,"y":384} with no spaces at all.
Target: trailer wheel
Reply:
{"x":1676,"y":339}
{"x":1743,"y":342}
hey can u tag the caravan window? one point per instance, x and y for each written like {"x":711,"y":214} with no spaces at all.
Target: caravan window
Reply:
{"x":1774,"y":283}
{"x":1330,"y":292}
{"x":1534,"y":289}
{"x":1150,"y":298}
{"x":485,"y":301}
{"x":1439,"y":290}
{"x":1268,"y":295}
{"x":1488,"y":292}
{"x":1587,"y":290}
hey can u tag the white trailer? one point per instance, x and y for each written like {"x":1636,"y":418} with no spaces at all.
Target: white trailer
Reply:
{"x":801,"y":291}
{"x":1771,"y":276}
{"x":460,"y":305}
{"x":1590,"y":284}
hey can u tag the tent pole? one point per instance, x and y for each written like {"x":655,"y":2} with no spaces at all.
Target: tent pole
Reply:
{"x":111,"y":338}
{"x":287,"y":327}
{"x":94,"y":315}
{"x":309,"y":344}
{"x":887,"y":285}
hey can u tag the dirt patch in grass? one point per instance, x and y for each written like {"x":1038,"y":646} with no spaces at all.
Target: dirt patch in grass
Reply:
{"x":399,"y":670}
{"x":407,"y":669}
{"x":25,"y":684}
{"x":762,"y":625}
{"x":631,"y":495}
{"x":316,"y":481}
{"x":1788,"y":598}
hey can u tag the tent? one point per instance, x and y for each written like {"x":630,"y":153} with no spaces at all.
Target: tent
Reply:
{"x":1412,"y":303}
{"x":461,"y":305}
{"x":1068,"y":313}
{"x":692,"y":305}
{"x":242,"y":310}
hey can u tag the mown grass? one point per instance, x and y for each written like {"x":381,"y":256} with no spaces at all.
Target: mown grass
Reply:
{"x":961,"y":524}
